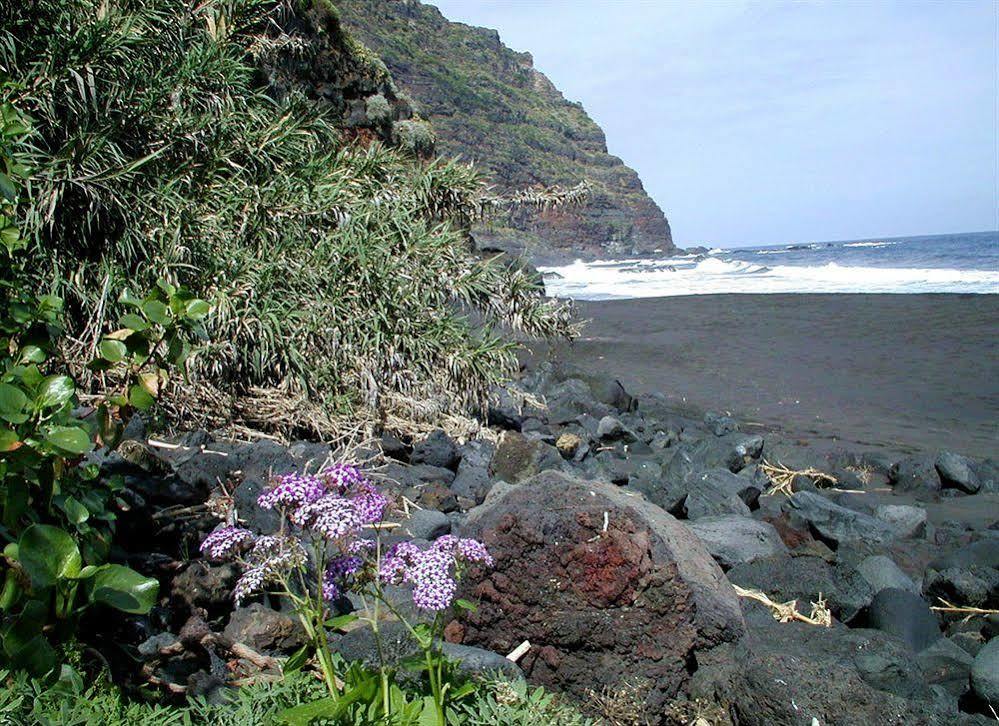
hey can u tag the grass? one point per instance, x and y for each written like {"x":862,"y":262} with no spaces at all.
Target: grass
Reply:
{"x":71,"y":703}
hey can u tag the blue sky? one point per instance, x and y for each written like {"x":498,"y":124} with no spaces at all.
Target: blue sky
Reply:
{"x":765,"y":123}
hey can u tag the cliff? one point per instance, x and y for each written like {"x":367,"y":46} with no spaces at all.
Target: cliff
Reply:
{"x":488,"y":104}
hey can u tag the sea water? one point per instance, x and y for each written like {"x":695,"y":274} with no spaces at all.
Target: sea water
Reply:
{"x":955,"y":263}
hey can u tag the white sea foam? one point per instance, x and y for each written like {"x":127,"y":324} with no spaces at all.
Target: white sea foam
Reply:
{"x":869,"y":244}
{"x":676,"y":276}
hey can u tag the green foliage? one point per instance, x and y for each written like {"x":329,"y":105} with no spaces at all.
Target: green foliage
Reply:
{"x":56,"y":515}
{"x":69,"y":702}
{"x":414,"y":136}
{"x":333,"y":271}
{"x":378,"y":109}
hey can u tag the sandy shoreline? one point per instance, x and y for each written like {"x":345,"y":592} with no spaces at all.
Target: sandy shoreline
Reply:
{"x":908,"y":372}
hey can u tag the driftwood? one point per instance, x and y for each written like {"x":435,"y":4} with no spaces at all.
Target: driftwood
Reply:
{"x":785,"y":612}
{"x":782,"y":478}
{"x":967,"y":610}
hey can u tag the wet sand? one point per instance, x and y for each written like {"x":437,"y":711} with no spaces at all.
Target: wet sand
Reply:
{"x":906,"y":372}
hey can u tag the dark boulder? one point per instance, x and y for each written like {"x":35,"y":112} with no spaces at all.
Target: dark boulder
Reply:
{"x":916,"y":475}
{"x":709,"y":495}
{"x":438,"y":449}
{"x":906,"y":616}
{"x":793,"y":674}
{"x":905,"y":520}
{"x":835,"y":524}
{"x":985,"y":673}
{"x":719,"y":424}
{"x":428,"y":524}
{"x":397,"y":646}
{"x":805,"y":579}
{"x":518,"y":457}
{"x":957,"y":472}
{"x":946,"y":664}
{"x":734,"y":540}
{"x":605,"y":586}
{"x":881,"y":572}
{"x":264,"y":630}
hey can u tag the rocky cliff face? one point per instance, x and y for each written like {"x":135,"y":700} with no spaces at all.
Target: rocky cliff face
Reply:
{"x":489,"y":104}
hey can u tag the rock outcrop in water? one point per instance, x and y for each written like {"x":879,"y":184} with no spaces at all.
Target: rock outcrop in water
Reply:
{"x":489,"y":104}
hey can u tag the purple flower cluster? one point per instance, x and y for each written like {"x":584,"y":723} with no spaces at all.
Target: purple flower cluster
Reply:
{"x":431,"y":572}
{"x":272,"y":557}
{"x":338,"y":573}
{"x":226,"y":542}
{"x":336,"y":503}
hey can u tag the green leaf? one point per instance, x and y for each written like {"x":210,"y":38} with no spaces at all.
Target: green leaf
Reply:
{"x":8,"y":440}
{"x":75,"y":511}
{"x":466,"y":605}
{"x":125,"y":589}
{"x":48,"y":554}
{"x":32,"y":354}
{"x":296,"y":660}
{"x":341,"y":621}
{"x":12,"y":398}
{"x":69,"y":438}
{"x":156,"y":311}
{"x":197,"y":309}
{"x":140,"y":398}
{"x":134,"y":322}
{"x":112,"y":350}
{"x":306,"y":713}
{"x":55,"y":391}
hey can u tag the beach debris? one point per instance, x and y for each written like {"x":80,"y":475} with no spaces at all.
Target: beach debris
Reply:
{"x":968,"y":611}
{"x":782,"y":478}
{"x":785,"y":612}
{"x":518,"y":652}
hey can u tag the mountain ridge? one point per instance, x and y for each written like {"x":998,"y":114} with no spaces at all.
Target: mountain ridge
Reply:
{"x":488,"y":104}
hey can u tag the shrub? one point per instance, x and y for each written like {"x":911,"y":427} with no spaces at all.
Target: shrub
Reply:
{"x":337,"y":274}
{"x":415,"y":136}
{"x":378,"y":110}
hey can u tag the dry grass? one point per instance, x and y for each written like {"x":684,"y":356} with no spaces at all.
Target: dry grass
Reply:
{"x":623,"y":705}
{"x":782,"y":478}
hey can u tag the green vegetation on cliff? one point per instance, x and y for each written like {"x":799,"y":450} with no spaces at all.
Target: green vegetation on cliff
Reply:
{"x":488,"y":104}
{"x":336,"y":269}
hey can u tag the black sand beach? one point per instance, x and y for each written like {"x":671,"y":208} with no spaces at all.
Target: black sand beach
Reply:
{"x":906,"y":372}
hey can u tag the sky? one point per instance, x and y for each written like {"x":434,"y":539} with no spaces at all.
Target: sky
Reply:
{"x":756,"y":123}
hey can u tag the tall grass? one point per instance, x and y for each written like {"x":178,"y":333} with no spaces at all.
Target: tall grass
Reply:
{"x":336,"y":271}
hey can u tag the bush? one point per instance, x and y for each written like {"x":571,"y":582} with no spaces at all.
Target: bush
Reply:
{"x":337,"y":274}
{"x":414,"y":136}
{"x":378,"y":110}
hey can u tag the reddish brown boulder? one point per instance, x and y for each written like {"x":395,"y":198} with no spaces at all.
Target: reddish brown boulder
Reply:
{"x":607,"y":587}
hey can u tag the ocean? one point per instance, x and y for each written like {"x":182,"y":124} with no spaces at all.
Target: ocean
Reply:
{"x":954,"y":263}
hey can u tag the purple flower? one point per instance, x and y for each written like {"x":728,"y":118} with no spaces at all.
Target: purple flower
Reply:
{"x":338,"y":573}
{"x":226,"y":542}
{"x":431,"y":572}
{"x":292,"y":490}
{"x":332,"y":516}
{"x":342,"y":478}
{"x":272,"y":558}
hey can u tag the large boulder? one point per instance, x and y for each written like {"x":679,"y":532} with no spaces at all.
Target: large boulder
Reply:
{"x":518,"y":457}
{"x":606,"y":587}
{"x":916,"y":475}
{"x":264,"y":629}
{"x":835,"y":524}
{"x":735,"y":540}
{"x":906,"y":616}
{"x":437,"y":449}
{"x":957,"y":472}
{"x":985,"y":673}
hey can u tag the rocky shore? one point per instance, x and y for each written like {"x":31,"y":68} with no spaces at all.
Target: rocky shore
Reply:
{"x":637,"y":550}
